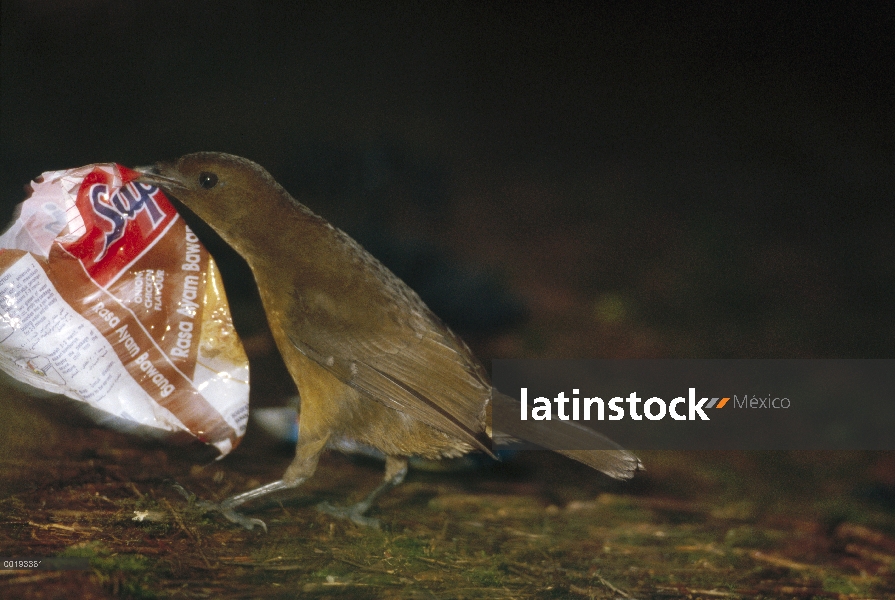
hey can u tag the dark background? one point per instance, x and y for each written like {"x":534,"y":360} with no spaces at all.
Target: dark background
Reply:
{"x":557,"y":180}
{"x":721,"y":175}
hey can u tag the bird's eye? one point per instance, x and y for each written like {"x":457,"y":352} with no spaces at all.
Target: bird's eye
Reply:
{"x":208,"y":180}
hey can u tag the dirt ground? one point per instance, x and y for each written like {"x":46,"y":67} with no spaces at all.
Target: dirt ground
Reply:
{"x":694,"y":525}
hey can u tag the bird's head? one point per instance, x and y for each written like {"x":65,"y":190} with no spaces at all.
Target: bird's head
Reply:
{"x":228,"y":192}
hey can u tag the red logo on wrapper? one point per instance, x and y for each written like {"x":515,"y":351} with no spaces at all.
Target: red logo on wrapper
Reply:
{"x":121,"y":225}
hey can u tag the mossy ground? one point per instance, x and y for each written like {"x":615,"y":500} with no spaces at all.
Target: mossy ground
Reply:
{"x":709,"y":525}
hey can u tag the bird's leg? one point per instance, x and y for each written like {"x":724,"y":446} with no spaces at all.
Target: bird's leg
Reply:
{"x":395,"y":471}
{"x":307,"y":454}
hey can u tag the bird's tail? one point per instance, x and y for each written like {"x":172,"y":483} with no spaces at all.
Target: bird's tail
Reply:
{"x":565,"y":437}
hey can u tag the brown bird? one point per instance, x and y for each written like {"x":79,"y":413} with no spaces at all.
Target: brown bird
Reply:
{"x":371,"y":361}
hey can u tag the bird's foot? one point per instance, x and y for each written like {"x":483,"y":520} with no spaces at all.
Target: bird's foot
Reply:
{"x":225,"y":508}
{"x":238,"y":518}
{"x":355,"y":512}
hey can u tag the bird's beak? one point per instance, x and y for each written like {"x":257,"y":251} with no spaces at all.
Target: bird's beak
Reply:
{"x":155,"y":175}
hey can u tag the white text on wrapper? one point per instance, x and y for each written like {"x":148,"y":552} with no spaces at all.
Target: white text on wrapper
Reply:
{"x":188,"y":305}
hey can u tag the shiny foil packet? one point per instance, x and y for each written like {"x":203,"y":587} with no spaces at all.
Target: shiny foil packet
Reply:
{"x":108,"y":297}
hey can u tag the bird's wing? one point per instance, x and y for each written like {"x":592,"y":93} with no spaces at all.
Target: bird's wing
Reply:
{"x":370,"y":330}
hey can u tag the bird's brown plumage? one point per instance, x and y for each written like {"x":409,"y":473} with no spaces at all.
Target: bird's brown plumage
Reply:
{"x":370,"y":360}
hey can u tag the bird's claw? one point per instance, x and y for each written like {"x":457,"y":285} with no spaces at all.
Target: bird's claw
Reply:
{"x":189,"y":496}
{"x":240,"y":519}
{"x":223,"y":508}
{"x":355,"y":513}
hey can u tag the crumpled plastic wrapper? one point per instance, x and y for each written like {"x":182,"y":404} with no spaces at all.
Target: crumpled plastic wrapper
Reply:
{"x":108,"y":297}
